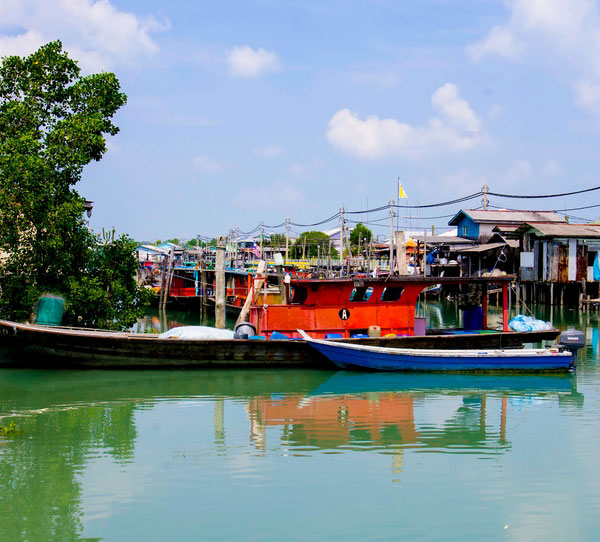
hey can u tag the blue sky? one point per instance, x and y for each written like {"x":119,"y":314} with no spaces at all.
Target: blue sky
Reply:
{"x":242,"y":111}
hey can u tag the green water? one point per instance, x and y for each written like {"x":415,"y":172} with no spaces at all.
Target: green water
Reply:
{"x":272,"y":455}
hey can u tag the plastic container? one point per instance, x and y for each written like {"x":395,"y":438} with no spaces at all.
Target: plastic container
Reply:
{"x":50,"y":309}
{"x":472,"y":319}
{"x":420,"y":327}
{"x":374,"y":331}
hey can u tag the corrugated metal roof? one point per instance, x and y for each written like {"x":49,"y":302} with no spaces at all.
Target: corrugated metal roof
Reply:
{"x":443,"y":240}
{"x":509,"y":217}
{"x":562,"y":230}
{"x":483,"y":248}
{"x":505,"y":227}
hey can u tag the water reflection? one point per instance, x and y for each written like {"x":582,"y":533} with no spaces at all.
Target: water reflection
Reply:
{"x":68,"y":420}
{"x":381,"y":411}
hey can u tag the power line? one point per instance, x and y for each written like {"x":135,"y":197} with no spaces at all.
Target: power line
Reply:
{"x":334,"y":217}
{"x":429,"y":206}
{"x":545,"y":195}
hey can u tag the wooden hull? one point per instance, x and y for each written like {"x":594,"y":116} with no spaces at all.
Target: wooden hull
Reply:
{"x":51,"y":347}
{"x":372,"y":358}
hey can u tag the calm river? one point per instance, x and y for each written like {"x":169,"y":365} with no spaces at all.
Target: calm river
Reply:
{"x":297,"y":455}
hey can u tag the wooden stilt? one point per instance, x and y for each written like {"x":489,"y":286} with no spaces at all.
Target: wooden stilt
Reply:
{"x":220,"y":283}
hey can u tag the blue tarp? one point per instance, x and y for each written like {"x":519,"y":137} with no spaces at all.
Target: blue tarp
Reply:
{"x":528,"y":323}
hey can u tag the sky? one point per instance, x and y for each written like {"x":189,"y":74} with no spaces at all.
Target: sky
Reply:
{"x":260,"y":110}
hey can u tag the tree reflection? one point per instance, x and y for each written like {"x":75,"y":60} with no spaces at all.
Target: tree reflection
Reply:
{"x":40,"y":469}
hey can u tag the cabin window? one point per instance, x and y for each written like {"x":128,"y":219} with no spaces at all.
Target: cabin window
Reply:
{"x":299,"y":294}
{"x":464,"y":231}
{"x":361,"y":293}
{"x":392,"y":293}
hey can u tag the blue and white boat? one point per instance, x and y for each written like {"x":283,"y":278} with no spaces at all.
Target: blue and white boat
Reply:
{"x":561,"y":357}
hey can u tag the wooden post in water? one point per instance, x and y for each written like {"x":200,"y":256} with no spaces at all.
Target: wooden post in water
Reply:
{"x":401,"y":253}
{"x":171,"y":273}
{"x":203,"y":288}
{"x":424,"y":253}
{"x":220,"y":286}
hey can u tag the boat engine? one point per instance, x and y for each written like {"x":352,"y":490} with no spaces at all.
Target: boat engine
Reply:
{"x":572,"y":340}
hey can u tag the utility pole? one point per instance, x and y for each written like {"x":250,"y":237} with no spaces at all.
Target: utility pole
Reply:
{"x":485,"y":199}
{"x":262,"y":229}
{"x":237,"y":243}
{"x":341,"y":236}
{"x":287,"y":238}
{"x":391,"y":236}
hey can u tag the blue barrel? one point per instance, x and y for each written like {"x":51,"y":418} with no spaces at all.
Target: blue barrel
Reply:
{"x":50,"y":310}
{"x":473,"y":319}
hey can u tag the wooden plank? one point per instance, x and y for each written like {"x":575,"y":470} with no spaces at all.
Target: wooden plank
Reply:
{"x":563,"y":264}
{"x":572,"y":269}
{"x":582,"y":261}
{"x":254,"y":289}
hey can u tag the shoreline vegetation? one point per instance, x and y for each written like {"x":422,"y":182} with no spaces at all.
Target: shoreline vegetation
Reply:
{"x":53,"y":122}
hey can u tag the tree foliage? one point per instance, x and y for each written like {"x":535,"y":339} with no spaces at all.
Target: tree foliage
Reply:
{"x":52,"y":123}
{"x":359,"y":236}
{"x":275,"y":240}
{"x":311,"y":244}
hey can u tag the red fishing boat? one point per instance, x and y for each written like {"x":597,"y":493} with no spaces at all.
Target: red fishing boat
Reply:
{"x":358,"y":307}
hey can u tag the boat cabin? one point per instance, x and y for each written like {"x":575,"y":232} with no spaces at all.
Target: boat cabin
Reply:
{"x":351,"y":307}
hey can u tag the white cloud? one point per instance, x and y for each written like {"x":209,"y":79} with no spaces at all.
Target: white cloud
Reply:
{"x":563,"y":35}
{"x":456,"y":110}
{"x":280,"y":195}
{"x":94,"y":32}
{"x":383,"y":79}
{"x":246,"y":62}
{"x":499,"y":41}
{"x":268,"y":152}
{"x":495,"y":112}
{"x":458,"y":129}
{"x":518,"y":172}
{"x":206,"y":163}
{"x":587,"y":95}
{"x":302,"y":171}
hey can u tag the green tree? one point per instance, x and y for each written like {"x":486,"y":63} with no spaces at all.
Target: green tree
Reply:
{"x":310,"y":244}
{"x":276,"y":240}
{"x":53,"y":122}
{"x":107,"y":295}
{"x":359,"y":236}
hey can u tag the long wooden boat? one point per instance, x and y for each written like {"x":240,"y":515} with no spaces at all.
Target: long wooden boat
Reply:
{"x":562,"y":357}
{"x":52,"y":347}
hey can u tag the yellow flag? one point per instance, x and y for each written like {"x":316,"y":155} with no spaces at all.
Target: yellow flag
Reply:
{"x":401,"y":192}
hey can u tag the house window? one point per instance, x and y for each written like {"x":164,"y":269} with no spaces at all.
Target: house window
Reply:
{"x":464,"y":231}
